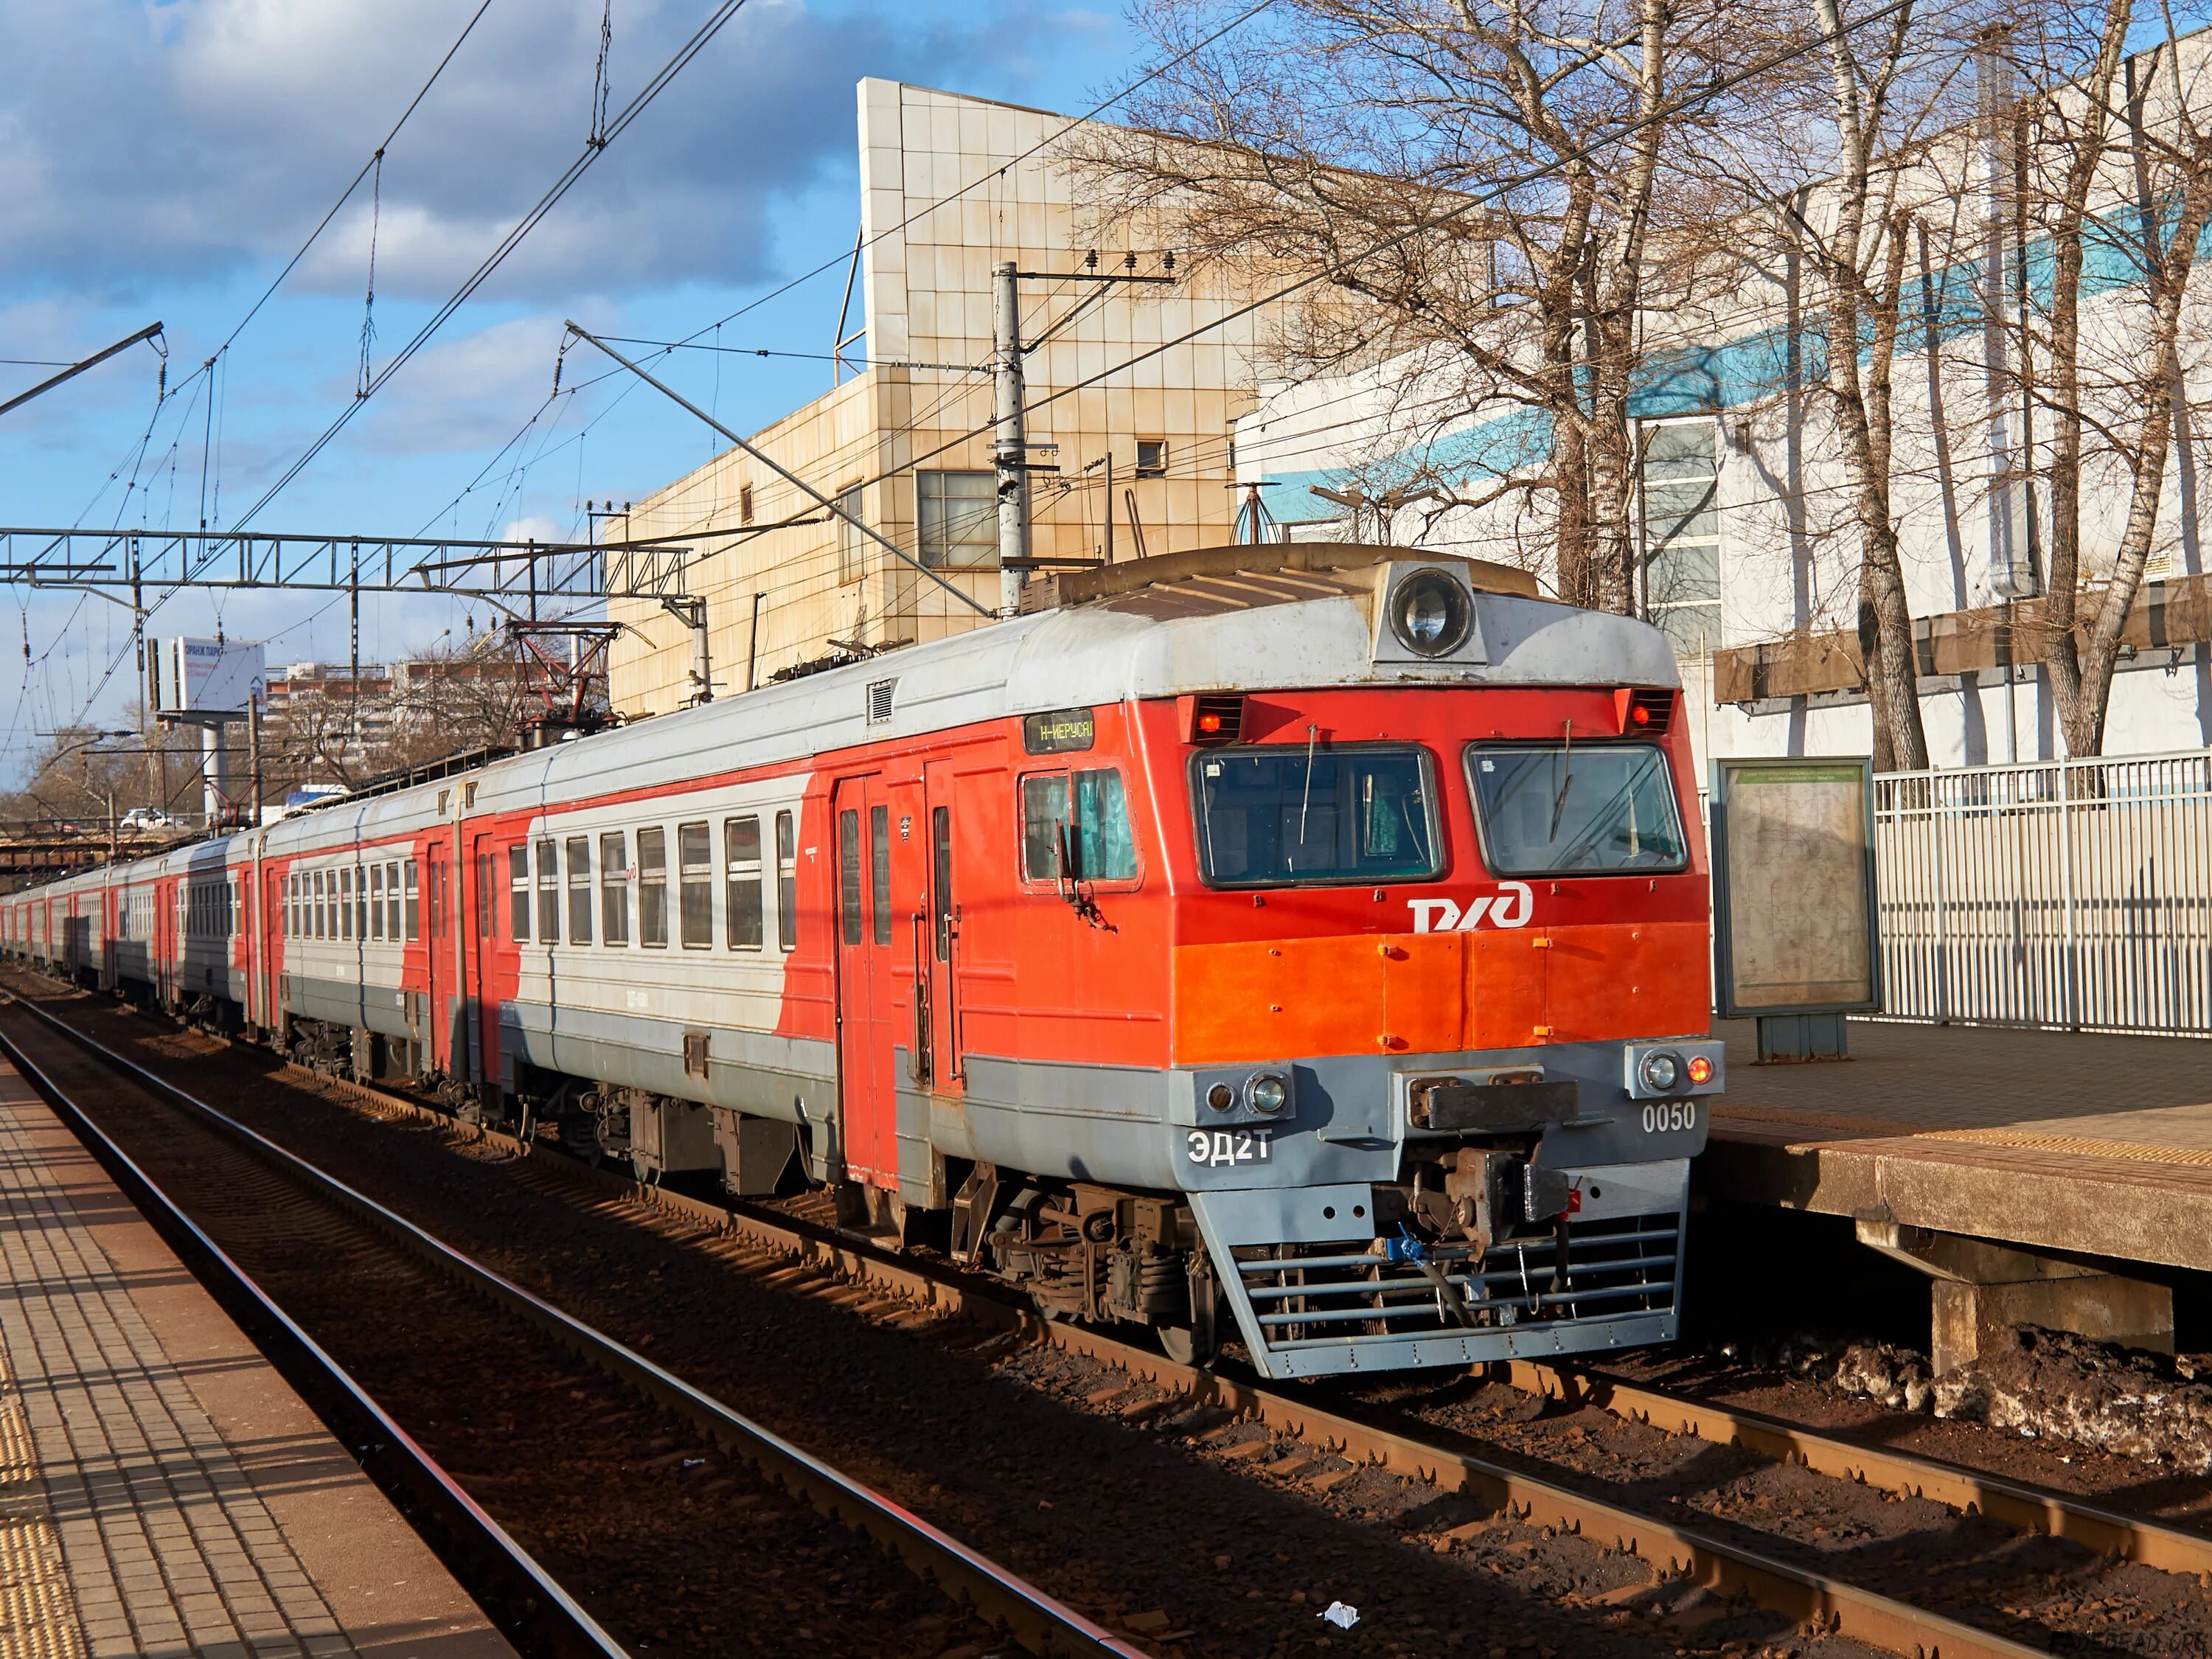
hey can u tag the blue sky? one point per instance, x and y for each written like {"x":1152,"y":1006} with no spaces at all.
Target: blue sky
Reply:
{"x":165,"y":159}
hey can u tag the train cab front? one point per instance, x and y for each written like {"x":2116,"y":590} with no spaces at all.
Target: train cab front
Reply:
{"x":1441,"y":1014}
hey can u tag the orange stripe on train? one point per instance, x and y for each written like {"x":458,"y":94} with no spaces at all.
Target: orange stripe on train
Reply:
{"x":1438,"y":993}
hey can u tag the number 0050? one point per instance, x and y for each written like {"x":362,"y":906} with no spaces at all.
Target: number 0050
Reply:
{"x":1661,"y":1116}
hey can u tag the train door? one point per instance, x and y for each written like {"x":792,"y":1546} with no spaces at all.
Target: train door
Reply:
{"x":437,"y":956}
{"x":866,"y":1020}
{"x":270,"y":944}
{"x":941,"y":1070}
{"x":486,"y":872}
{"x":912,"y":982}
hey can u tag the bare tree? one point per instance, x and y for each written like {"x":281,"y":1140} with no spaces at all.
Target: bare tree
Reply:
{"x":2111,"y":391}
{"x":1481,"y":182}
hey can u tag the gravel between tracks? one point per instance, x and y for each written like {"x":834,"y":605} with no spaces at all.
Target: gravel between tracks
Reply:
{"x":1185,"y":1531}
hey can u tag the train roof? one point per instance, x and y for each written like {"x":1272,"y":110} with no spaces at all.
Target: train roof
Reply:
{"x":1270,"y":616}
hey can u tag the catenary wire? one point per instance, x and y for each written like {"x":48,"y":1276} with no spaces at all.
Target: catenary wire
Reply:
{"x":576,"y":169}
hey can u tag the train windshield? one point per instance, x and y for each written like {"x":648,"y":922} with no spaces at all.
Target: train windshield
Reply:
{"x":1278,"y":817}
{"x":1555,"y":808}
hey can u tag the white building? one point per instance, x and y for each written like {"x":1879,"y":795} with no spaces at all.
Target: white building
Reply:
{"x":1749,"y":554}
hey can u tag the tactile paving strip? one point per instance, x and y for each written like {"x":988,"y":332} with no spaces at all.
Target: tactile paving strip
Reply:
{"x":168,"y":1550}
{"x":39,"y":1617}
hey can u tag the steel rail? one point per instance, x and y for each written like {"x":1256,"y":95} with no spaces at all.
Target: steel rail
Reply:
{"x":1688,"y":1554}
{"x":2017,"y":1504}
{"x":1040,"y":1622}
{"x":526,"y":1600}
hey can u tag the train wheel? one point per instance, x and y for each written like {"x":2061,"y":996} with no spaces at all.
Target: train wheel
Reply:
{"x":1185,"y":1346}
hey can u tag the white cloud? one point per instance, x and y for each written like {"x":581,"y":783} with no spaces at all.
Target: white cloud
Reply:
{"x":141,"y":140}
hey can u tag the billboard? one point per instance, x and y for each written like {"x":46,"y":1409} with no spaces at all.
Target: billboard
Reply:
{"x":186,"y":677}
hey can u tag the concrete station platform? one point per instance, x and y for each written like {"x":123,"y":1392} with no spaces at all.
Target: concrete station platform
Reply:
{"x":1992,"y":1160}
{"x":162,"y":1490}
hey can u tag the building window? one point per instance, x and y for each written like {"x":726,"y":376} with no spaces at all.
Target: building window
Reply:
{"x":1152,"y":457}
{"x":614,"y":890}
{"x":695,"y":854}
{"x":958,"y":517}
{"x":741,"y":900}
{"x":852,"y":546}
{"x":653,"y":887}
{"x":1682,"y":534}
{"x":786,"y":882}
{"x":579,"y":890}
{"x":548,"y":892}
{"x":744,"y":503}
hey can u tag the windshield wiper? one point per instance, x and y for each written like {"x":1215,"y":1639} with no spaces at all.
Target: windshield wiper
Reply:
{"x":1566,"y":780}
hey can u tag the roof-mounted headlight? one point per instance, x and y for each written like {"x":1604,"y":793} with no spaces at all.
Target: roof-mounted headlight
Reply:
{"x":1430,"y":614}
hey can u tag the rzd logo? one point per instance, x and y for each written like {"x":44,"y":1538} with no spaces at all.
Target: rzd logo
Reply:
{"x":1509,"y":907}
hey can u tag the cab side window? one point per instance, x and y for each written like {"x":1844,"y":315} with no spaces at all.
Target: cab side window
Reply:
{"x":1075,"y":827}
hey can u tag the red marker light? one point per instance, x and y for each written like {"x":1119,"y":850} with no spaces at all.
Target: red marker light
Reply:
{"x":1209,"y":724}
{"x":1639,"y":714}
{"x":1701,"y":1069}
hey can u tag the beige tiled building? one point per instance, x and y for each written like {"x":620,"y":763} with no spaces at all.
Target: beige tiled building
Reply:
{"x":950,"y":187}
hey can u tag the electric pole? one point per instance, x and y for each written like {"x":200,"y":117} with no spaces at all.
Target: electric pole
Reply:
{"x":1009,"y":447}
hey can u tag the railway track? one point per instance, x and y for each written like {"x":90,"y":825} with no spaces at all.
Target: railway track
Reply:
{"x":1825,"y":1607}
{"x":536,"y":1606}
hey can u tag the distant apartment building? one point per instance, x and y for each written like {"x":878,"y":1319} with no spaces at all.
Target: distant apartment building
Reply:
{"x":950,"y":187}
{"x":331,"y":718}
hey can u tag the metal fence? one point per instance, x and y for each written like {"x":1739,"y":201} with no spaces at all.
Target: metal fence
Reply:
{"x":2075,"y":895}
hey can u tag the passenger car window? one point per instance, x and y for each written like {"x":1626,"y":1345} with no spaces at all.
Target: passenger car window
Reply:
{"x":786,"y":881}
{"x":1289,"y":815}
{"x":849,"y":875}
{"x":392,"y":899}
{"x":414,"y":879}
{"x":1555,"y":808}
{"x":548,"y":892}
{"x":940,"y":844}
{"x":695,"y":896}
{"x":741,"y":902}
{"x":879,"y":870}
{"x":614,"y":890}
{"x":653,"y":887}
{"x":579,"y":890}
{"x":1100,"y":845}
{"x":518,"y":891}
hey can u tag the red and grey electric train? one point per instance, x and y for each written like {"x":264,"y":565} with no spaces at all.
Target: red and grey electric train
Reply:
{"x":1301,"y":945}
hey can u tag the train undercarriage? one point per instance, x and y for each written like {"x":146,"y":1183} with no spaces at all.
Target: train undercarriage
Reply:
{"x":1080,"y":1250}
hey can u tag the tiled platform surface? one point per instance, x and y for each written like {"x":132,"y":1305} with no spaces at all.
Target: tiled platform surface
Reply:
{"x":162,"y":1491}
{"x":2096,"y":1145}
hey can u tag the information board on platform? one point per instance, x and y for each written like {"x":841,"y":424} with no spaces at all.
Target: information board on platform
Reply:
{"x":1793,"y":886}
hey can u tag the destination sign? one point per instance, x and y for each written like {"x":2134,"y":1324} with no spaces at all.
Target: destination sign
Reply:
{"x":1059,"y":732}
